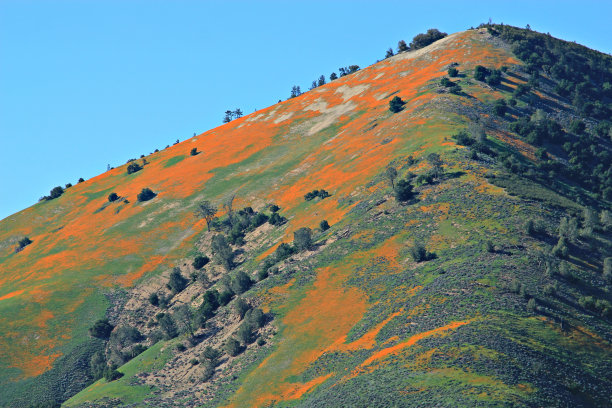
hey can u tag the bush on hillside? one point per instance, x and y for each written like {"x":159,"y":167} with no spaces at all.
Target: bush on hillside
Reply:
{"x":240,"y":283}
{"x":480,"y":73}
{"x":324,"y":225}
{"x":420,"y":254}
{"x":302,"y":239}
{"x":177,"y":282}
{"x":423,"y":40}
{"x":284,"y":251}
{"x":101,"y":329}
{"x":133,"y":167}
{"x":113,"y":197}
{"x":200,"y":261}
{"x":168,"y":326}
{"x":232,"y":347}
{"x":222,"y":252}
{"x":403,"y":191}
{"x":146,"y":194}
{"x":316,"y":193}
{"x":396,"y":104}
{"x":24,"y":242}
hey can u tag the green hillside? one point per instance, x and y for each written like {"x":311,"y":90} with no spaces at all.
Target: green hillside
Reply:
{"x":431,"y":230}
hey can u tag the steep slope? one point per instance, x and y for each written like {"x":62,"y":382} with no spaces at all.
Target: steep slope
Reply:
{"x":359,"y":319}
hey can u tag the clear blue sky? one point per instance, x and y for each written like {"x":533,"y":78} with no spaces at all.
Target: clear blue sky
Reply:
{"x":88,"y":83}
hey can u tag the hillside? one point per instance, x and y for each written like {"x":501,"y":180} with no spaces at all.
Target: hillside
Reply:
{"x":487,"y":284}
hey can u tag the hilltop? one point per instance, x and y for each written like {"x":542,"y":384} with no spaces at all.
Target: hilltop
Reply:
{"x":448,"y":248}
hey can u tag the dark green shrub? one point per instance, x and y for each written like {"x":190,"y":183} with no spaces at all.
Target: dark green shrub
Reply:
{"x":316,"y":193}
{"x":222,"y":252}
{"x":68,"y":185}
{"x":447,"y":83}
{"x":246,"y":333}
{"x":463,"y":138}
{"x":284,"y":251}
{"x":490,"y":247}
{"x":302,"y":239}
{"x":500,"y":107}
{"x":113,"y":197}
{"x":211,"y":355}
{"x":276,"y":219}
{"x":453,"y":72}
{"x":101,"y":329}
{"x":154,"y":299}
{"x":55,"y":193}
{"x":146,"y":194}
{"x":200,"y":261}
{"x":24,"y":242}
{"x":274,"y":208}
{"x":494,"y":78}
{"x":241,"y":307}
{"x":225,"y":297}
{"x":111,"y":373}
{"x":396,"y":104}
{"x":208,"y":372}
{"x":401,"y":46}
{"x":177,"y":281}
{"x":262,"y":274}
{"x":167,"y":324}
{"x":403,"y":191}
{"x":420,"y":254}
{"x":324,"y":225}
{"x":194,"y":151}
{"x":258,"y":219}
{"x":81,"y":179}
{"x":256,"y":317}
{"x":423,"y":40}
{"x":241,"y":282}
{"x":232,"y":347}
{"x":520,"y":90}
{"x":181,"y":347}
{"x":561,"y":250}
{"x":133,"y":167}
{"x":480,"y":73}
{"x":531,"y":305}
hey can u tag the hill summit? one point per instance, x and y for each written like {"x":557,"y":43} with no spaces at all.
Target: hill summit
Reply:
{"x":431,"y":230}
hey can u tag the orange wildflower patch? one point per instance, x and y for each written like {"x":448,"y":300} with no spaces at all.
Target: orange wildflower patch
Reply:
{"x":12,"y":294}
{"x":367,"y":341}
{"x":298,"y":390}
{"x":325,"y":314}
{"x":400,"y":346}
{"x":36,"y":364}
{"x":128,"y":279}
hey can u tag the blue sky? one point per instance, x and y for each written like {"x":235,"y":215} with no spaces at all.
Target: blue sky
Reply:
{"x":88,"y":83}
